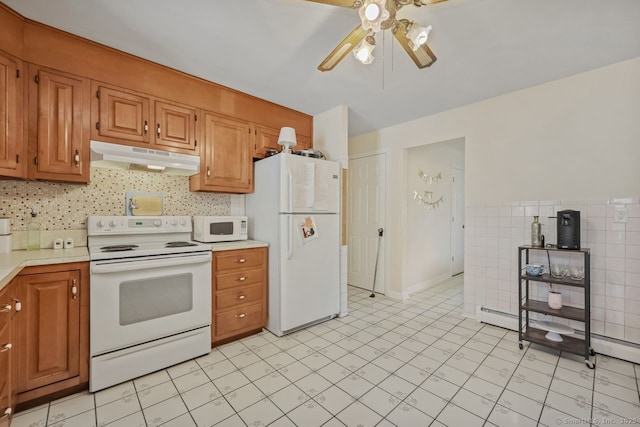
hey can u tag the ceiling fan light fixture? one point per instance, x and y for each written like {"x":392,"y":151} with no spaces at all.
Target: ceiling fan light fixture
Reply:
{"x":373,"y":13}
{"x":417,"y":35}
{"x":364,"y":51}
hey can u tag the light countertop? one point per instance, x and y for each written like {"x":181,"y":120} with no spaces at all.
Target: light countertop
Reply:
{"x":240,"y":244}
{"x":13,"y":262}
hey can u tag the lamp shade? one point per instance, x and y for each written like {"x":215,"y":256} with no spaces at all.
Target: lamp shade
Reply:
{"x":287,"y":139}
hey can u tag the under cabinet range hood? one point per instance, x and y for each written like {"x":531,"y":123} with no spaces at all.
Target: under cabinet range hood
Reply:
{"x":116,"y":156}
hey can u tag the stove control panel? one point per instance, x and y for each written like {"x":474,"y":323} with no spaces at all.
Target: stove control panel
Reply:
{"x":103,"y":225}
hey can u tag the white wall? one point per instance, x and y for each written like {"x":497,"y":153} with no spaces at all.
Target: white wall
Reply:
{"x":429,"y":236}
{"x":331,"y":136}
{"x":576,"y":138}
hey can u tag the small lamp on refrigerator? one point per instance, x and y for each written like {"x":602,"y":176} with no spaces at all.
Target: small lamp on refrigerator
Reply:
{"x":287,"y":139}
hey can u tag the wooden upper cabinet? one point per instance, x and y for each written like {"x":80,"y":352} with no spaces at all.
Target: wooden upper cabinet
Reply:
{"x":304,"y":143}
{"x":175,"y":126}
{"x":267,"y":138}
{"x":126,"y":117}
{"x":123,"y":115}
{"x":12,"y":152}
{"x":225,"y":158}
{"x":58,"y":126}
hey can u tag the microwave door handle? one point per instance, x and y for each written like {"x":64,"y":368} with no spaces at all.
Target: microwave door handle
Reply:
{"x":290,"y":195}
{"x":290,"y":240}
{"x":155,"y":263}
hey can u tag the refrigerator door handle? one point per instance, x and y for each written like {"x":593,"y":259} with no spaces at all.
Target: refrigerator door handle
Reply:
{"x":290,"y":195}
{"x":290,"y":240}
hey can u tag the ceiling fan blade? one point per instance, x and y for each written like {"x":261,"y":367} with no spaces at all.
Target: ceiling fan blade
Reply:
{"x":354,"y":4}
{"x":345,"y":46}
{"x":423,"y":57}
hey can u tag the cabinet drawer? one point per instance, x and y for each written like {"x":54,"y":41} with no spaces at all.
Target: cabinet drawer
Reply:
{"x":239,"y":259}
{"x":239,"y":278}
{"x":239,"y":295}
{"x":245,"y":317}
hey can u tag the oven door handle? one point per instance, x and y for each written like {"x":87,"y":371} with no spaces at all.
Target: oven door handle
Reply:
{"x":155,"y":263}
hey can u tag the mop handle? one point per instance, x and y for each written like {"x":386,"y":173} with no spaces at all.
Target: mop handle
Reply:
{"x":375,"y":267}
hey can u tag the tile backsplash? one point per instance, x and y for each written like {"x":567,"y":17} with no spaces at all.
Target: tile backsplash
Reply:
{"x":65,"y":207}
{"x":494,"y":231}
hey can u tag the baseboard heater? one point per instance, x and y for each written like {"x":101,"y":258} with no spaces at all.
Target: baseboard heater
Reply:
{"x":601,"y":344}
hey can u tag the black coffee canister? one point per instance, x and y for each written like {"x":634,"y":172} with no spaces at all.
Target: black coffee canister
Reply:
{"x":568,"y":229}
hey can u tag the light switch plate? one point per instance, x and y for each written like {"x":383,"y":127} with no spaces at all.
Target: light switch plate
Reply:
{"x":621,"y":214}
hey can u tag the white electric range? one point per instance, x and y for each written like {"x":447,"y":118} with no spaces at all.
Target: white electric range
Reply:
{"x":150,"y":296}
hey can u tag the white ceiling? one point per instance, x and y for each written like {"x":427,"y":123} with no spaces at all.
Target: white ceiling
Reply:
{"x":271,"y":48}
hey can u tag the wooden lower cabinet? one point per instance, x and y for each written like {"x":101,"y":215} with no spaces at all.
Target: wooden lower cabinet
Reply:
{"x":239,"y":293}
{"x":7,"y":350}
{"x":52,"y":329}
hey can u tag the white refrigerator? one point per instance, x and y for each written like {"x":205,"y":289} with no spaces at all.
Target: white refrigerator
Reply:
{"x":295,"y":208}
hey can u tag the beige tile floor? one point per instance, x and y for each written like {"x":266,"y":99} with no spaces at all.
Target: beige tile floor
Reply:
{"x":404,"y":363}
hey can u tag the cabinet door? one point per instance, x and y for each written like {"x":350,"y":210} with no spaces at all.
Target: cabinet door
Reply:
{"x":12,"y":156}
{"x":226,"y":164}
{"x":304,"y":143}
{"x":48,"y":328}
{"x":6,"y":354}
{"x":266,"y":138}
{"x":61,"y":123}
{"x":123,"y":115}
{"x":175,"y":127}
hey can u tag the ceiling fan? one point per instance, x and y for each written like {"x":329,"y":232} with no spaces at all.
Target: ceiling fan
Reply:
{"x":379,"y":15}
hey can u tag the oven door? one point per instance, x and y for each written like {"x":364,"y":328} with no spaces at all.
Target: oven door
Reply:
{"x":134,"y":301}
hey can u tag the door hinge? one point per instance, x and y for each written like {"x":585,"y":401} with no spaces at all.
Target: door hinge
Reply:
{"x":453,"y":219}
{"x":98,"y":94}
{"x":35,"y":160}
{"x":17,"y":74}
{"x":17,"y":158}
{"x":195,"y":118}
{"x":451,"y":259}
{"x":249,"y":129}
{"x":195,"y":144}
{"x":37,"y":79}
{"x":98,"y":125}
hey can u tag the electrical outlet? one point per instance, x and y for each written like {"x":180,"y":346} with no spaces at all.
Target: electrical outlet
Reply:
{"x":621,"y":215}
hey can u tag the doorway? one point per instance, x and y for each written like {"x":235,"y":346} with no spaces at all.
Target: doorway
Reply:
{"x":366,"y":214}
{"x":457,"y":222}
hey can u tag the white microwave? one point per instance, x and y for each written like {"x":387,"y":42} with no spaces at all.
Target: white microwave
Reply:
{"x":210,"y":229}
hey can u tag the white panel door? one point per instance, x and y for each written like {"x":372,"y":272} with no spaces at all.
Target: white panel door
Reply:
{"x":309,"y":270}
{"x":366,"y":213}
{"x":457,"y":222}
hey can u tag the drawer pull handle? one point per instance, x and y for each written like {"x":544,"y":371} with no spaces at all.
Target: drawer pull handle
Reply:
{"x":18,"y":304}
{"x":76,"y":158}
{"x":74,"y":289}
{"x":241,"y":260}
{"x":241,"y":279}
{"x":241,"y":315}
{"x":5,"y":308}
{"x":241,"y":297}
{"x":6,"y":347}
{"x":6,"y":413}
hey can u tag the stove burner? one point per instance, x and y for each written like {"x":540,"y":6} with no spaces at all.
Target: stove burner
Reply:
{"x":179,"y":244}
{"x":118,"y":248}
